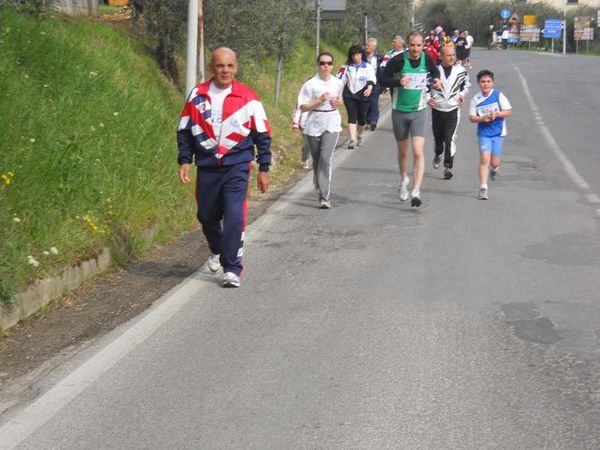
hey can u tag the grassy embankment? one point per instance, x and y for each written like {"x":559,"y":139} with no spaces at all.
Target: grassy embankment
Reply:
{"x":87,"y":155}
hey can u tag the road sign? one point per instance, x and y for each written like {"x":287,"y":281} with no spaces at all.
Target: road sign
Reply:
{"x":530,"y":33}
{"x":552,"y":28}
{"x":583,"y":29}
{"x":505,"y":13}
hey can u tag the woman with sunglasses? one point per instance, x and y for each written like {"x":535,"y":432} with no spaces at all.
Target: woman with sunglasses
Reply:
{"x":359,"y":80}
{"x":320,"y":97}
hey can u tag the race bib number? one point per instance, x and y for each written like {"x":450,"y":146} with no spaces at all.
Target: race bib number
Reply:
{"x":486,"y":110}
{"x":416,"y":81}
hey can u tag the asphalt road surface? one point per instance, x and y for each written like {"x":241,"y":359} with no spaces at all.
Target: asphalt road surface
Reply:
{"x":463,"y":324}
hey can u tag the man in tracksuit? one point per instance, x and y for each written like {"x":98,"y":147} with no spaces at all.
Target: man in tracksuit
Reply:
{"x":446,"y":103}
{"x":221,"y":123}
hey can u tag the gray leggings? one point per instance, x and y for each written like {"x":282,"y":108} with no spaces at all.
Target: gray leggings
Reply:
{"x":322,"y":149}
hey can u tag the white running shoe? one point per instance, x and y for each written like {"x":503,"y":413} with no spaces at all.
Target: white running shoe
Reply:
{"x":230,"y":279}
{"x":306,"y":164}
{"x":325,"y":204}
{"x":403,"y":189}
{"x":483,"y":194}
{"x":437,"y":161}
{"x":213,"y":263}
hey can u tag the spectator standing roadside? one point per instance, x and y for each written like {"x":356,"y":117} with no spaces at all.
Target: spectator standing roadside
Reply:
{"x":468,"y":45}
{"x":298,"y":121}
{"x":505,"y":37}
{"x":321,"y":97}
{"x":489,"y":109}
{"x":408,"y":74}
{"x":446,"y":103}
{"x":359,"y":80}
{"x":213,"y":133}
{"x":491,"y":37}
{"x":374,"y":58}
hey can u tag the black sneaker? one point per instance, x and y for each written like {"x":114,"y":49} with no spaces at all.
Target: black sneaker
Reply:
{"x":351,"y":144}
{"x":448,"y":174}
{"x":436,"y":162}
{"x":372,"y":126}
{"x":415,"y":199}
{"x":493,"y":173}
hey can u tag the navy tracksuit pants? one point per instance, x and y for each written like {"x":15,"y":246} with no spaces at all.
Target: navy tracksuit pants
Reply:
{"x":222,"y":195}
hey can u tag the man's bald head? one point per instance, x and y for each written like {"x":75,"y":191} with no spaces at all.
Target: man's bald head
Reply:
{"x":448,"y":55}
{"x":217,"y":52}
{"x":223,"y":65}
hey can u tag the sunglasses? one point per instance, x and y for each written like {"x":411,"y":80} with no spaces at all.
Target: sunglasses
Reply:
{"x":326,"y":63}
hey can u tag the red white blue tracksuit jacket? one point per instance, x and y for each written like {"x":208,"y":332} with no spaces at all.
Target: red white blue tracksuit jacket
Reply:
{"x":244,"y":126}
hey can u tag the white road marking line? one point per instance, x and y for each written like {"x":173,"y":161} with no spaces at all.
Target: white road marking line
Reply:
{"x":49,"y":404}
{"x":592,"y":198}
{"x":567,"y":165}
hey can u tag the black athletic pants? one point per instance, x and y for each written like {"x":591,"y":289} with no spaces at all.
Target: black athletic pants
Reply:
{"x":445,"y":125}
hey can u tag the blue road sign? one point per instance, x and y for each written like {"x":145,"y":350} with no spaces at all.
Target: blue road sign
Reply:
{"x":505,"y":13}
{"x":552,"y":28}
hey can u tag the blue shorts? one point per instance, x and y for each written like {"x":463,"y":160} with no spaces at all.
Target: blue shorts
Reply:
{"x":491,"y":144}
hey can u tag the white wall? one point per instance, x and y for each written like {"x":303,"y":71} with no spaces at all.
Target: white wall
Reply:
{"x":77,"y":7}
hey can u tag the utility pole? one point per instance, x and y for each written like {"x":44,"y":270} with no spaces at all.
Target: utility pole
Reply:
{"x":194,"y":60}
{"x":318,"y":5}
{"x":366,"y":26}
{"x":201,"y":40}
{"x":565,"y":28}
{"x":192,"y":45}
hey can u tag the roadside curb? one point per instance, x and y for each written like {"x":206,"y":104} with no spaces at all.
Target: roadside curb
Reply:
{"x":39,"y":294}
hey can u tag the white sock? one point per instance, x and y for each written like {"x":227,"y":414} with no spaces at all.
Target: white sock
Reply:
{"x":483,"y":186}
{"x":415,"y":193}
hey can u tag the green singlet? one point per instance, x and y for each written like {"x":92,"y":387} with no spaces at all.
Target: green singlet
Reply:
{"x":411,"y":98}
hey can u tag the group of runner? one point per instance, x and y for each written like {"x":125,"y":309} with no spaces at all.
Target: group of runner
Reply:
{"x":415,"y":81}
{"x":461,"y":40}
{"x":223,"y":128}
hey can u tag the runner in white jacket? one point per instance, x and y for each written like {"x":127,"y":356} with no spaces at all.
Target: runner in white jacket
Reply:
{"x":446,"y":103}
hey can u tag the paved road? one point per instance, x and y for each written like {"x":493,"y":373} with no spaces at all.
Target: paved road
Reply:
{"x":463,"y":324}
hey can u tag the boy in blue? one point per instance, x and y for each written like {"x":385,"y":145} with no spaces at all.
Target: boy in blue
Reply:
{"x":488,"y":110}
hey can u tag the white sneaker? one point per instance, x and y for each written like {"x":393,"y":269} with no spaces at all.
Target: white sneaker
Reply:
{"x":213,"y":263}
{"x":403,"y":189}
{"x":483,"y":194}
{"x":230,"y":279}
{"x":325,"y":204}
{"x":306,"y":164}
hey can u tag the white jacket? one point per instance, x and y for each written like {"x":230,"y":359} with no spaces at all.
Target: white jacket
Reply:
{"x":455,"y":86}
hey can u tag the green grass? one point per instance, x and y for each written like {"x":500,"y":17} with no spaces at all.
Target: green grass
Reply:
{"x":88,"y":128}
{"x":88,"y":147}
